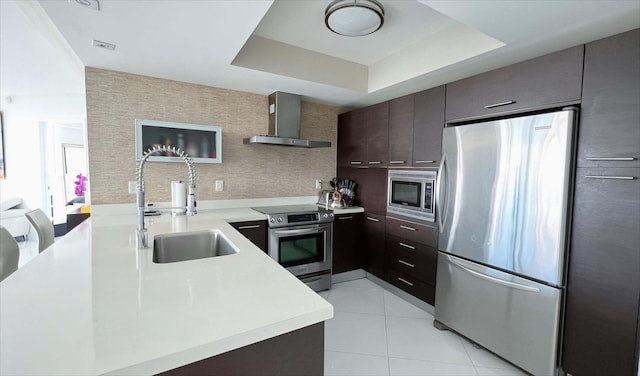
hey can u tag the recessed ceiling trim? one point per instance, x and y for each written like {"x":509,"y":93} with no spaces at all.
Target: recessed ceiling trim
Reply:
{"x":283,"y":59}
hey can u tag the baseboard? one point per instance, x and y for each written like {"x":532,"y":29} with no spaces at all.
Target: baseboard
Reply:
{"x":396,"y":291}
{"x":348,"y":276}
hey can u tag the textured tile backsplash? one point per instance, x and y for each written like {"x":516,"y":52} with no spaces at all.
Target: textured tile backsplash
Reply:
{"x":115,"y":100}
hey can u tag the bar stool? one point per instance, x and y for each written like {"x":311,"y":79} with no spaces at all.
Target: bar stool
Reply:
{"x":9,"y":253}
{"x":44,"y":228}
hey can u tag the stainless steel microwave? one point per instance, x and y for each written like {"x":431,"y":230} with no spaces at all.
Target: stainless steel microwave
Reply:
{"x":411,"y":194}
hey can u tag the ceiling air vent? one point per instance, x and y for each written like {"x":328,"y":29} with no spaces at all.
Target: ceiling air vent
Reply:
{"x":100,"y":44}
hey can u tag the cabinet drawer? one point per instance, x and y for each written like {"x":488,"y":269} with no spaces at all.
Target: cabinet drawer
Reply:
{"x":255,"y":231}
{"x":414,"y":259}
{"x":415,"y":232}
{"x":411,"y":285}
{"x":552,"y":79}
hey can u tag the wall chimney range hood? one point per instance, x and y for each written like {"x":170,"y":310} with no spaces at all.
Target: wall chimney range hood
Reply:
{"x":284,"y":124}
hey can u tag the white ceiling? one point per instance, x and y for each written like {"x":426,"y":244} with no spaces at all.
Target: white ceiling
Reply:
{"x":262,"y":46}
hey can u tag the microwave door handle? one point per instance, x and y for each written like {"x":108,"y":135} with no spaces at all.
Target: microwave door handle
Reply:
{"x":439,"y":209}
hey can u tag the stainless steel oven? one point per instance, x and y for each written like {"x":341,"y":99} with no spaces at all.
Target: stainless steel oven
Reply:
{"x":301,"y":240}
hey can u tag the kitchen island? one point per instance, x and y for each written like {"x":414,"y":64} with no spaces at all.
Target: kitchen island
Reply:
{"x":93,"y":304}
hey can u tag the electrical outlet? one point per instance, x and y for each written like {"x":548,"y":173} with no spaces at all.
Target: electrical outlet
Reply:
{"x":132,"y":187}
{"x":319,"y":185}
{"x":219,"y":185}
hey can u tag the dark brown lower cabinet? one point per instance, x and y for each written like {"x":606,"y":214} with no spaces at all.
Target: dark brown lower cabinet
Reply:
{"x":603,"y":287}
{"x":255,"y":231}
{"x":411,"y":266}
{"x":347,"y":242}
{"x":412,"y":285}
{"x":374,"y":240}
{"x":300,"y":352}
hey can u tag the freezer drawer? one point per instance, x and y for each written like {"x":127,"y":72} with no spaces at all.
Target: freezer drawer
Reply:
{"x":516,"y":318}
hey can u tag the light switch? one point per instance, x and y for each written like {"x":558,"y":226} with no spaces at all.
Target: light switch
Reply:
{"x":132,"y":187}
{"x":219,"y":186}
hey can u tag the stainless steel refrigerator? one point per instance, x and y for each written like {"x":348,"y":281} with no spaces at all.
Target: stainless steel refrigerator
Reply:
{"x":502,"y":201}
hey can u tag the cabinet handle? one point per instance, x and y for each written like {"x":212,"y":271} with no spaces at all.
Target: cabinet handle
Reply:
{"x":408,"y":228}
{"x":406,"y":245}
{"x":248,"y":227}
{"x":424,"y":162}
{"x":500,"y":104}
{"x":610,"y":159}
{"x":610,"y":177}
{"x":375,"y":162}
{"x":397,"y":162}
{"x":406,"y":263}
{"x":373,"y":219}
{"x":355,"y":162}
{"x":405,"y":281}
{"x":349,"y":217}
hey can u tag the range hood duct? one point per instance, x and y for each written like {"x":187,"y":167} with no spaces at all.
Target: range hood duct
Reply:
{"x":284,"y":124}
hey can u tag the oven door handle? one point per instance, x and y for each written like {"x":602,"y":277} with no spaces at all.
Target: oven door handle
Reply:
{"x":300,"y":231}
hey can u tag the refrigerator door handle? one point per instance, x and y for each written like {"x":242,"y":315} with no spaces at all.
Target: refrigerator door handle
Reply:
{"x":494,"y":279}
{"x":439,"y":210}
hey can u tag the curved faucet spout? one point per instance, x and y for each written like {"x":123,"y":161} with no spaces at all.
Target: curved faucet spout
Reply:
{"x":141,"y":232}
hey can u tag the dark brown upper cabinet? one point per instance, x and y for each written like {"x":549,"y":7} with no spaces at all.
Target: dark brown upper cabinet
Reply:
{"x":610,"y":117}
{"x":377,"y":134}
{"x":544,"y":82}
{"x":352,"y":143}
{"x":428,"y":121}
{"x":415,"y":129}
{"x":401,"y":131}
{"x":363,"y":137}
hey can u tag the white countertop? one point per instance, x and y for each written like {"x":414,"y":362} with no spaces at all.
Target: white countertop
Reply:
{"x":93,"y":304}
{"x":347,"y":210}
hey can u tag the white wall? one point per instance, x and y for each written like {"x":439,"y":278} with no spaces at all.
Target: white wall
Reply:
{"x":21,"y":116}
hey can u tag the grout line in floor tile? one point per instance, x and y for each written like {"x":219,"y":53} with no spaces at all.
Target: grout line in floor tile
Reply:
{"x":358,"y":313}
{"x":386,"y":332}
{"x":354,"y":353}
{"x":436,"y":361}
{"x":462,"y":341}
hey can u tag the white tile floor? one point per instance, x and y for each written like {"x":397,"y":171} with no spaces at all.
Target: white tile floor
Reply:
{"x":374,"y":332}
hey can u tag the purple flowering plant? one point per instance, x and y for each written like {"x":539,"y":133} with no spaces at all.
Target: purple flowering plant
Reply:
{"x":81,"y":185}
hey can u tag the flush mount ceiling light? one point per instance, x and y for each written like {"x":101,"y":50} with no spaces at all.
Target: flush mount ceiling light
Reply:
{"x":91,"y":4}
{"x":354,"y":18}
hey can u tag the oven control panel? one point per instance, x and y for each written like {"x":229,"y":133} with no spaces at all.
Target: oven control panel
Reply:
{"x":294,"y":219}
{"x":295,"y":215}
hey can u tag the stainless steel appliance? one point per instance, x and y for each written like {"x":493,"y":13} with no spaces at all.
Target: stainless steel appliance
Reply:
{"x":410,"y":194}
{"x":502,"y":205}
{"x":301,"y":240}
{"x":284,"y":124}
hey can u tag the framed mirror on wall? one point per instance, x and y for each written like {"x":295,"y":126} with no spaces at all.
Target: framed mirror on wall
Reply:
{"x":203,"y":143}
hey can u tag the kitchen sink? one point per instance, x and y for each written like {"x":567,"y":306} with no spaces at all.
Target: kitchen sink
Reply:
{"x":183,"y":246}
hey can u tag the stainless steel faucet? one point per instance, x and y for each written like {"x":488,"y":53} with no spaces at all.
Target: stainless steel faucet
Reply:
{"x":141,"y":232}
